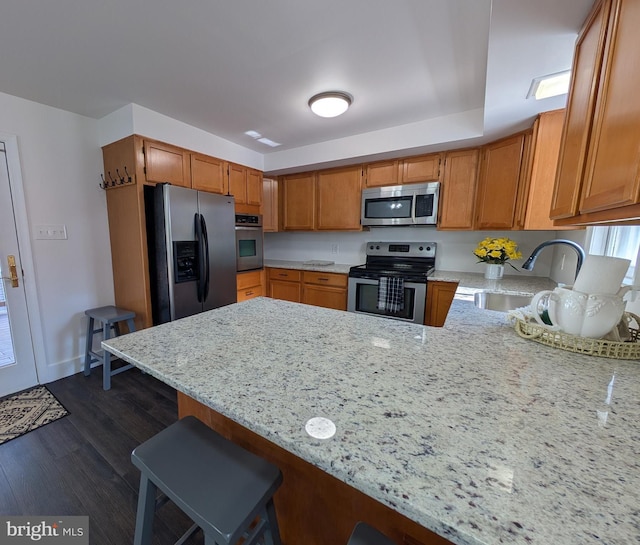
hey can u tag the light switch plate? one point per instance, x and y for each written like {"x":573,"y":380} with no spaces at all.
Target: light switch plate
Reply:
{"x":50,"y":232}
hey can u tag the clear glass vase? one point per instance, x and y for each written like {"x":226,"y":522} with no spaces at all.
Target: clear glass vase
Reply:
{"x":494,"y":271}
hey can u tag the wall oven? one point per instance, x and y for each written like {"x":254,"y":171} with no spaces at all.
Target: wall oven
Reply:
{"x":249,"y":240}
{"x":393,"y":281}
{"x":412,"y":204}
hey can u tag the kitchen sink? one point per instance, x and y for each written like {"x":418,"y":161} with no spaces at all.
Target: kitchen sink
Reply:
{"x":494,"y":300}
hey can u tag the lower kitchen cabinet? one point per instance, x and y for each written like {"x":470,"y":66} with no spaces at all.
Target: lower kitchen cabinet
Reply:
{"x":439,"y":298}
{"x":250,"y":284}
{"x":285,"y":284}
{"x":327,"y":290}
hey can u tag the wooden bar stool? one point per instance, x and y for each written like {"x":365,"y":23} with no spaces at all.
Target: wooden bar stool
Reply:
{"x":109,"y":317}
{"x":363,"y":534}
{"x":226,"y":490}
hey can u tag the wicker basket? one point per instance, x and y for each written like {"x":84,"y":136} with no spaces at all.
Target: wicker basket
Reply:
{"x":628,"y":350}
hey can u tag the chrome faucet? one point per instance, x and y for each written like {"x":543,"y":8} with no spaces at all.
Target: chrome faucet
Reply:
{"x":529,"y":263}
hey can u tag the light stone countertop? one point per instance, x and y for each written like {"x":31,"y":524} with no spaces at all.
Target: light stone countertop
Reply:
{"x":478,"y":435}
{"x":468,"y":282}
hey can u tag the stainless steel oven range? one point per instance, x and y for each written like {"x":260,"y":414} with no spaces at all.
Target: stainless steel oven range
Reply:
{"x":393,"y":281}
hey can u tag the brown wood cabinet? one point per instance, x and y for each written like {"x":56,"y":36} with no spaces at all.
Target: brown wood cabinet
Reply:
{"x":599,"y":174}
{"x":321,"y":289}
{"x":500,"y":175}
{"x":166,"y":163}
{"x":250,"y":284}
{"x":338,"y":197}
{"x":540,"y":175}
{"x":421,"y":168}
{"x":326,"y":200}
{"x":382,"y":173}
{"x":208,"y":173}
{"x":439,"y":298}
{"x":327,"y":290}
{"x":458,"y":190}
{"x":270,"y":205}
{"x":238,"y":182}
{"x":298,"y":198}
{"x":285,"y":284}
{"x":254,"y":187}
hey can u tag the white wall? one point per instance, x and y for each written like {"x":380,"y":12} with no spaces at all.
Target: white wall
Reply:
{"x":134,"y":119}
{"x":455,"y":248}
{"x":61,"y":162}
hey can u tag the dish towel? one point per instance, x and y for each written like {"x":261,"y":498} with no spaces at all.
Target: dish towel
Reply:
{"x":391,"y":294}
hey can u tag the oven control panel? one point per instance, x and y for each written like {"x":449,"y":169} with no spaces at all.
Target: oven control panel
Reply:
{"x":402,"y":249}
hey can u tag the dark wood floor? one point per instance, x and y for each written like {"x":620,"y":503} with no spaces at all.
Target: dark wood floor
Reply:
{"x":81,"y":465}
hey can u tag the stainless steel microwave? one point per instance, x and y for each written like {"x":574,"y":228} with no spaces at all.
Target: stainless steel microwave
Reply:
{"x":414,"y":204}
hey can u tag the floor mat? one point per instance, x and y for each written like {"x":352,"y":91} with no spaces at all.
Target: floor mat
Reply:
{"x":28,"y":410}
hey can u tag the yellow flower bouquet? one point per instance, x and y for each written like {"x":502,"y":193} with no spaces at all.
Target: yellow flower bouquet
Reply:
{"x":497,"y":251}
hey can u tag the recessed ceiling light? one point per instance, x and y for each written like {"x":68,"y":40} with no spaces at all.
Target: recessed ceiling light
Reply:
{"x":269,"y":142}
{"x":330,"y":104}
{"x":253,"y":134}
{"x":550,"y":86}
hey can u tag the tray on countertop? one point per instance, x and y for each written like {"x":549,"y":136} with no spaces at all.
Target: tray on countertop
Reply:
{"x":318,"y":263}
{"x":627,"y":350}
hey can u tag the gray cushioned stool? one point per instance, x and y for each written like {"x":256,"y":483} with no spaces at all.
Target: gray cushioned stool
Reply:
{"x":219,"y":485}
{"x":109,"y":317}
{"x":363,"y":534}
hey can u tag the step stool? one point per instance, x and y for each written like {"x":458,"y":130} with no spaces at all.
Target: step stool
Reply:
{"x":109,"y":317}
{"x":219,"y":485}
{"x":363,"y":534}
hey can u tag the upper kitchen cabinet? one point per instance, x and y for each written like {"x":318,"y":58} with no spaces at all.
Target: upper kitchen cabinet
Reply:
{"x":245,"y":184}
{"x":208,"y":173}
{"x":458,"y":190}
{"x":238,"y":182}
{"x":422,"y":168}
{"x":599,"y":168}
{"x":500,"y":174}
{"x":338,"y":197}
{"x":382,"y":173}
{"x":541,"y":170}
{"x":298,"y":195}
{"x":327,"y":200}
{"x":270,"y":205}
{"x":166,"y":163}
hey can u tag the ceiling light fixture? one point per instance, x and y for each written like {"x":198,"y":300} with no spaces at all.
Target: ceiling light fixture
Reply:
{"x":330,"y":103}
{"x":550,"y":86}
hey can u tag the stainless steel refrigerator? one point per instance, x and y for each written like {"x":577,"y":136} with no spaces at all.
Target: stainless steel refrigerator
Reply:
{"x":192,"y":255}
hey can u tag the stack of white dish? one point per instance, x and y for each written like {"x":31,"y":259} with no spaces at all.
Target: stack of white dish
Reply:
{"x":594,"y":306}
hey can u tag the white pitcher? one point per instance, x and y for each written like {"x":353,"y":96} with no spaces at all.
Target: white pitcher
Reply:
{"x":582,"y":314}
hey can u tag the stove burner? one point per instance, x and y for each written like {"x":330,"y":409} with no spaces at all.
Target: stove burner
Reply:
{"x":413,"y":261}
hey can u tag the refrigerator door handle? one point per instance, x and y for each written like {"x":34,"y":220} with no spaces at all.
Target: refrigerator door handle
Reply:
{"x":201,"y":263}
{"x":207,"y":270}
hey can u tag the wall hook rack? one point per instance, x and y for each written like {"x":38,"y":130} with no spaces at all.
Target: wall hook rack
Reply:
{"x":119,"y":179}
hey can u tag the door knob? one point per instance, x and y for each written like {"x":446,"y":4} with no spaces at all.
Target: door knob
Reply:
{"x":13,"y":271}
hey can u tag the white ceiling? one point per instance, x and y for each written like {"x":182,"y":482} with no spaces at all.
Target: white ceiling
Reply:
{"x":230,"y":66}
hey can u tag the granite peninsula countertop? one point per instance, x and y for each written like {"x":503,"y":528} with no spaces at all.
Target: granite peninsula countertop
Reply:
{"x":469,"y":430}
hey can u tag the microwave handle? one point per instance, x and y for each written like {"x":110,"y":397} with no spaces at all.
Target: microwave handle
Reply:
{"x":414,"y":202}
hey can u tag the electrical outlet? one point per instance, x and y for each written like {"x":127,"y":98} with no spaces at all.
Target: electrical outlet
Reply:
{"x":50,"y":232}
{"x":335,"y":248}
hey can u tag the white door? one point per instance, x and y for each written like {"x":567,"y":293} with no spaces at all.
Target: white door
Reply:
{"x":17,"y":361}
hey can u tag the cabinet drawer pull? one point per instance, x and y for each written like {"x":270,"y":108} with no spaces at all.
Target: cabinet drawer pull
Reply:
{"x":283,"y":274}
{"x":248,"y":292}
{"x":320,"y":278}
